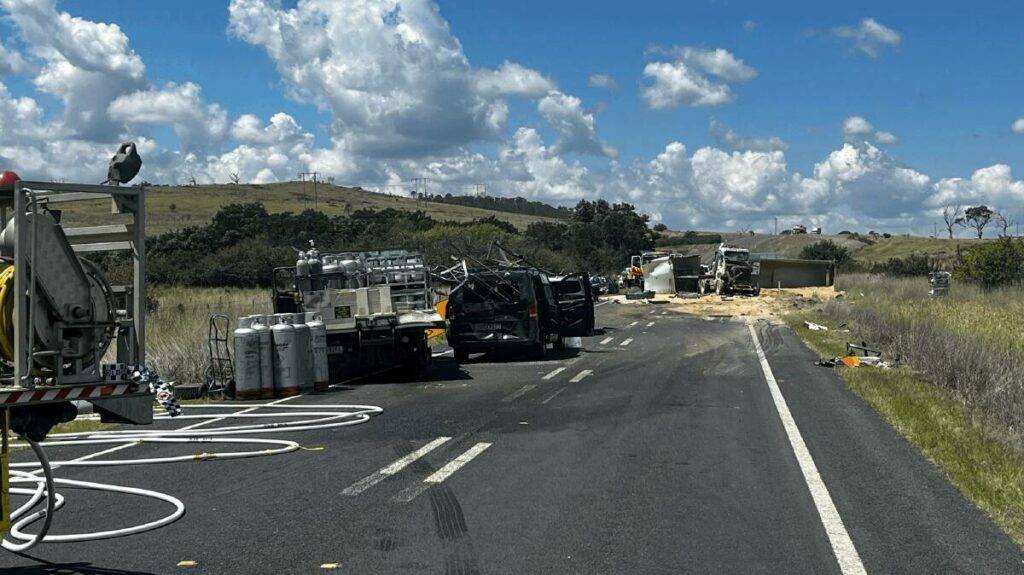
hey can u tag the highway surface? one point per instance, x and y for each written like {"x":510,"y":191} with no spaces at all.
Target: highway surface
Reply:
{"x":666,"y":444}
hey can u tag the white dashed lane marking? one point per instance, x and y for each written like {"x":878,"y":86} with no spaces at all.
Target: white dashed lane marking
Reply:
{"x":632,"y":324}
{"x":393,"y":468}
{"x":626,"y":342}
{"x":519,"y":393}
{"x":606,"y":340}
{"x":553,"y":373}
{"x":579,"y":376}
{"x":410,"y":493}
{"x":650,"y":324}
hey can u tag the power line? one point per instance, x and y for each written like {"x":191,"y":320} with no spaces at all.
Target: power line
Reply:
{"x":302,"y":178}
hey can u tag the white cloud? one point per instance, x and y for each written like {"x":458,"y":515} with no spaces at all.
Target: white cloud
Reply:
{"x":869,"y":37}
{"x":685,"y":81}
{"x":197,"y":124}
{"x":576,"y":128}
{"x":749,"y":25}
{"x":993,"y":186}
{"x":512,"y":79}
{"x":1018,"y":126}
{"x":392,"y":75}
{"x":602,"y":81}
{"x":726,"y":137}
{"x":12,"y":62}
{"x":858,"y":129}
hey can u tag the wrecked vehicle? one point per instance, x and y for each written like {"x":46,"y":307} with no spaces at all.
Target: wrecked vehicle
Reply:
{"x":939,"y":282}
{"x":731,"y":272}
{"x":521,"y":309}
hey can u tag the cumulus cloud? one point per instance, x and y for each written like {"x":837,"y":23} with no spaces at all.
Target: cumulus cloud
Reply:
{"x":869,"y":37}
{"x":993,"y":186}
{"x":576,"y":128}
{"x":696,"y":77}
{"x":1018,"y":126}
{"x":12,"y":62}
{"x":513,"y":79}
{"x":602,"y":81}
{"x":858,"y":129}
{"x":394,"y":78}
{"x":197,"y":124}
{"x":727,"y":138}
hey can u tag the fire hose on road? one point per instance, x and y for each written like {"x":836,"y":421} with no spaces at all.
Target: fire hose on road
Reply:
{"x":312,"y":417}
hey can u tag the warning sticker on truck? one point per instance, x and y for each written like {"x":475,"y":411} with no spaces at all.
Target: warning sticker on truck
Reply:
{"x":342,"y":312}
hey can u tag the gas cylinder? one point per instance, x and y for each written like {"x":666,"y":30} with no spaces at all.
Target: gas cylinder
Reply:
{"x":261,"y":326}
{"x":287,"y":363}
{"x":247,"y":361}
{"x":304,"y":351}
{"x":318,"y":333}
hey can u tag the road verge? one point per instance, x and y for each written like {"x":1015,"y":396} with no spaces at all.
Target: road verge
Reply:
{"x":974,"y":454}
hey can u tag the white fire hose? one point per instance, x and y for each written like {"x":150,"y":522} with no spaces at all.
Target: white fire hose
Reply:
{"x":314,"y":417}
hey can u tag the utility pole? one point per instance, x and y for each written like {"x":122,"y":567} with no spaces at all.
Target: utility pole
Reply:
{"x":420,"y":185}
{"x":302,"y":178}
{"x":776,"y":225}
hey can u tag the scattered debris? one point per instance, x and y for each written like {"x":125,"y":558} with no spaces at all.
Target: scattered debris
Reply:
{"x":640,"y":295}
{"x":814,"y":326}
{"x":939,"y":282}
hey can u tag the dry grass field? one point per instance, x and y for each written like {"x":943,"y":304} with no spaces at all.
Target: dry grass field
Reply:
{"x":174,"y":207}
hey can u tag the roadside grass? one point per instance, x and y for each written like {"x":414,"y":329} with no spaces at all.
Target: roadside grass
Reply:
{"x":177,"y":332}
{"x":974,"y":454}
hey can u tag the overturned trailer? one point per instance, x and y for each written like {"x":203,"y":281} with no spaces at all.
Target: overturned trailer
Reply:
{"x":673,"y":274}
{"x":796,"y":273}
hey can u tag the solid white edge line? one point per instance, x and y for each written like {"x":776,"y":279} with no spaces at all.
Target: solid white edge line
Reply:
{"x":579,"y":376}
{"x":552,"y":396}
{"x":626,"y":341}
{"x":440,"y":353}
{"x":842,"y":546}
{"x":553,"y":373}
{"x":392,"y":468}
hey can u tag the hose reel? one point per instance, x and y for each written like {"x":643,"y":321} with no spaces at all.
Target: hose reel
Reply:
{"x":71,"y":305}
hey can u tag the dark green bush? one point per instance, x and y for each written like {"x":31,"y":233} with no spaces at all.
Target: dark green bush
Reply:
{"x":994,"y":264}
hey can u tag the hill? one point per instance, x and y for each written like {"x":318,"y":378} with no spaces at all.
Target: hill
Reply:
{"x":175,"y":207}
{"x":789,"y":246}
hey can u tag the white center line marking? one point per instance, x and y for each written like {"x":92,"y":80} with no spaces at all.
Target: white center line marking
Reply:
{"x":554,"y":373}
{"x":846,"y":554}
{"x":626,"y":341}
{"x":632,"y":324}
{"x":606,"y":340}
{"x":519,"y":393}
{"x":650,"y":324}
{"x":393,"y":468}
{"x":440,"y":475}
{"x":579,"y":376}
{"x":552,"y":396}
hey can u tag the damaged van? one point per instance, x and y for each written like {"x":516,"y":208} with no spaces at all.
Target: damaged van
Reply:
{"x":521,"y":310}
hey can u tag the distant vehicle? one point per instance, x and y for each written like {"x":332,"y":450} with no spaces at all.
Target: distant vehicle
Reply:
{"x":816,"y":230}
{"x":799,"y":229}
{"x":518,"y":309}
{"x":732,"y":272}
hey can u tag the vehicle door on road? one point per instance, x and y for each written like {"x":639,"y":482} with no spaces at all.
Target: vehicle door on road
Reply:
{"x":575,"y":298}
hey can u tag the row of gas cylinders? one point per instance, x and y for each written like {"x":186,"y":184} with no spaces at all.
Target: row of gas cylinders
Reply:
{"x":280,"y":355}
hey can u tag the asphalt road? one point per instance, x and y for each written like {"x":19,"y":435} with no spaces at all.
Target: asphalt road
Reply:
{"x":659,"y":447}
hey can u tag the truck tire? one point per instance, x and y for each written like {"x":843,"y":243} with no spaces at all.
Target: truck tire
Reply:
{"x":559,"y":344}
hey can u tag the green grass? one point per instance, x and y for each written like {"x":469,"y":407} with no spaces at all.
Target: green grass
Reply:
{"x":976,"y":457}
{"x":174,"y":207}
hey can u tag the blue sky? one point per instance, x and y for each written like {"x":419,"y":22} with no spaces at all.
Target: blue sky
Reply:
{"x":943,"y":81}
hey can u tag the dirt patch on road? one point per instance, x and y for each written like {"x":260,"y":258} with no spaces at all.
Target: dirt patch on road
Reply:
{"x":772,"y":303}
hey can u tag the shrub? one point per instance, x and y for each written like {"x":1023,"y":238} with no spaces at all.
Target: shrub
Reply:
{"x":912,"y":265}
{"x":994,"y":264}
{"x":826,"y":250}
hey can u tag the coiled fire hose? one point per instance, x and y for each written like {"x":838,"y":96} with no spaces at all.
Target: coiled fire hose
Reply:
{"x":315,"y":417}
